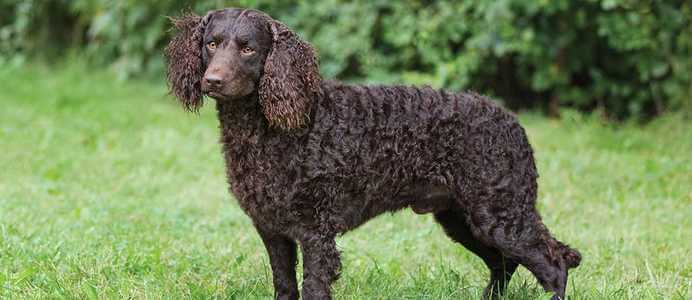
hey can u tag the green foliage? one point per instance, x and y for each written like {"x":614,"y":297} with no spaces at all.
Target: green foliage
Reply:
{"x":109,"y":190}
{"x":621,"y":57}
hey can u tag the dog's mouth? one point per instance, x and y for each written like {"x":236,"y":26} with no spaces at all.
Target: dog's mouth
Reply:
{"x":225,"y":95}
{"x":216,"y":95}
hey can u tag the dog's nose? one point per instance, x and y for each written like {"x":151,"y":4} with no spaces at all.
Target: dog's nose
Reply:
{"x":212,"y":79}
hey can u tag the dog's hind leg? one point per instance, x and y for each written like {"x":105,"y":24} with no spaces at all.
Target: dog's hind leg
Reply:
{"x":501,"y":268}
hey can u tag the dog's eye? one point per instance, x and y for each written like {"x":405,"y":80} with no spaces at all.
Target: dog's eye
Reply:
{"x":247,"y":50}
{"x":211,"y":45}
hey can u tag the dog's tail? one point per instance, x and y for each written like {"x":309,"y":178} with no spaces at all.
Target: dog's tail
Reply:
{"x":572,"y":257}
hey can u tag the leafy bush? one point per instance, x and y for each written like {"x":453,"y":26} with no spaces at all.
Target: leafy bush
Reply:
{"x":626,"y":58}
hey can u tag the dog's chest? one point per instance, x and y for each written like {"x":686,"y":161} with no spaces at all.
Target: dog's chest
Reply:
{"x":262,"y":177}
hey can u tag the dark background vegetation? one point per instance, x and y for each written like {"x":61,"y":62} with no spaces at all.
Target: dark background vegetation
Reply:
{"x":622,"y":58}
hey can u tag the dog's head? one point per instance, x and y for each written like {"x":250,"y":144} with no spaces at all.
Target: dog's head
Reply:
{"x":231,"y":54}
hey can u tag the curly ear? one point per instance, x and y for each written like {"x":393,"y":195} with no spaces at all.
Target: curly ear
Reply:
{"x":290,"y":81}
{"x":184,"y":58}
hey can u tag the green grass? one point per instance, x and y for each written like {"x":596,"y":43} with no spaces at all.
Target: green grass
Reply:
{"x":109,"y":190}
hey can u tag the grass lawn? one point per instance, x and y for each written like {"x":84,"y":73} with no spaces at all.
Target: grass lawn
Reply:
{"x":110,"y":190}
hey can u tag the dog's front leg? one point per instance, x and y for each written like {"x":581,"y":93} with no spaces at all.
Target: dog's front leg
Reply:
{"x":282,"y":257}
{"x":321,"y":264}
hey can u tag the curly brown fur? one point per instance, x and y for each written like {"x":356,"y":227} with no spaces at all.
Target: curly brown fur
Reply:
{"x":309,"y":159}
{"x":290,"y":62}
{"x":184,"y":57}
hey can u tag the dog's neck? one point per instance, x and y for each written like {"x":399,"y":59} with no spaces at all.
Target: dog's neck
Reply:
{"x":241,"y":119}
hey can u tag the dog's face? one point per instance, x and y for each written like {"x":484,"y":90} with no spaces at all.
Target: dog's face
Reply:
{"x":233,"y":54}
{"x":234,"y":48}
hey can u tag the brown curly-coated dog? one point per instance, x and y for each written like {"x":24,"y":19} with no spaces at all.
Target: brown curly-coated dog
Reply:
{"x":309,"y":159}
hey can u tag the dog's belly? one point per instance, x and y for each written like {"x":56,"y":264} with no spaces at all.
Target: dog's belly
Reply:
{"x":352,"y":201}
{"x":426,"y":197}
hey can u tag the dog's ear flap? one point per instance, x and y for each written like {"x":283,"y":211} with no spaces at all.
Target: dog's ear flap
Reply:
{"x":184,"y":58}
{"x":291,"y":80}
